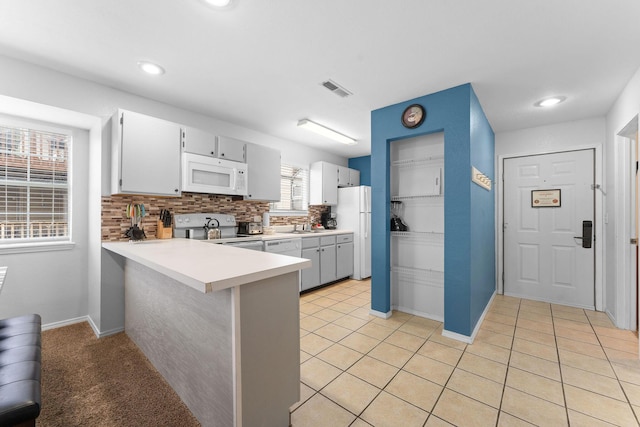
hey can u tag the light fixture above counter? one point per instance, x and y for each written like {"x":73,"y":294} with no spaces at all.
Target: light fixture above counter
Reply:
{"x":326,"y":132}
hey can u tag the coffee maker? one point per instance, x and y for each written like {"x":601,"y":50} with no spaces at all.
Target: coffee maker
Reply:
{"x":328,"y":220}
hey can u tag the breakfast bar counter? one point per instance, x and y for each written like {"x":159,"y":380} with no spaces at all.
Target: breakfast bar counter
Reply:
{"x":203,"y":266}
{"x":221,"y":324}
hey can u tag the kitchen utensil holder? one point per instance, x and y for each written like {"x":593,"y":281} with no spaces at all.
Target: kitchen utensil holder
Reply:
{"x":163,"y":232}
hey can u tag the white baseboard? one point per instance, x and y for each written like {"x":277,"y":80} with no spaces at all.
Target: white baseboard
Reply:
{"x":418,"y":313}
{"x":81,"y":319}
{"x":62,"y":323}
{"x":469,"y":339}
{"x":381,"y":314}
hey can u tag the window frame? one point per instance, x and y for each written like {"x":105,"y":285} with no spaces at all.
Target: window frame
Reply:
{"x":292,"y":212}
{"x":24,"y":245}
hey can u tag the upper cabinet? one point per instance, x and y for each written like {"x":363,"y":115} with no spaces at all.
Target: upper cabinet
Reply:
{"x":200,"y":142}
{"x":145,"y":155}
{"x":197,"y":141}
{"x":325,"y":178}
{"x":146,"y":158}
{"x":231,"y":149}
{"x":323,"y":184}
{"x":348,"y":177}
{"x":264,"y":173}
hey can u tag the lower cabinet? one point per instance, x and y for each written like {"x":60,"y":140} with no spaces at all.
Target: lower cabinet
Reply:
{"x":310,"y":277}
{"x":331,"y":259}
{"x":344,"y":255}
{"x":328,"y":259}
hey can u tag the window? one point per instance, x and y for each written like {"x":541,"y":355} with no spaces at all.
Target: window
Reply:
{"x":294,"y":191}
{"x":34,"y":185}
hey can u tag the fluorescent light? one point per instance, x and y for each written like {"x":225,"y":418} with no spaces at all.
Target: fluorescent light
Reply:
{"x":550,"y":102}
{"x":325,"y":131}
{"x":220,"y":4}
{"x":151,"y":68}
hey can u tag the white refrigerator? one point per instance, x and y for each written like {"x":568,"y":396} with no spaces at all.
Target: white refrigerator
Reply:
{"x":354,"y":213}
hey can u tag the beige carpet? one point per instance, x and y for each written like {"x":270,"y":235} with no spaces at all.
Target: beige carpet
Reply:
{"x":88,"y":381}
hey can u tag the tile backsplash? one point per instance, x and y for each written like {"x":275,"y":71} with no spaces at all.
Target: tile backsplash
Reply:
{"x":115,"y":221}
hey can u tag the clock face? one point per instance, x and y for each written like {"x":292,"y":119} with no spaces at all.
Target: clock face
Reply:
{"x":413,"y":116}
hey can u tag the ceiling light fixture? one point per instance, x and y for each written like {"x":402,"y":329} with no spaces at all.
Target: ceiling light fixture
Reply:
{"x":325,"y":131}
{"x":218,"y":4}
{"x":550,"y":102}
{"x":151,"y":68}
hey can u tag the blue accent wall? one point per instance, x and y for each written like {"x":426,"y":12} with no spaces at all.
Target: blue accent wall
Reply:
{"x":469,"y":210}
{"x":363,"y":164}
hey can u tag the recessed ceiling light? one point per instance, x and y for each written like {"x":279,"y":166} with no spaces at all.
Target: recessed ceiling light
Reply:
{"x":326,"y":132}
{"x":219,"y":4}
{"x":151,"y":68}
{"x":550,"y":102}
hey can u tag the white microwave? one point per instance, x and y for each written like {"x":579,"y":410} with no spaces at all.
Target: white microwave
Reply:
{"x":204,"y":174}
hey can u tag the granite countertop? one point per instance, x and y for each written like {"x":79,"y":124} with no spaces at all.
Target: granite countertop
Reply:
{"x":206,"y":267}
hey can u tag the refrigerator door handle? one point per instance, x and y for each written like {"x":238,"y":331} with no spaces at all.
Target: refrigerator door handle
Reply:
{"x":366,"y":200}
{"x":366,"y":226}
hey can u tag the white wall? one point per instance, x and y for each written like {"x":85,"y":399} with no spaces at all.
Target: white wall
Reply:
{"x":620,"y":293}
{"x":545,"y":139}
{"x":64,"y":288}
{"x":565,"y":136}
{"x":53,"y":283}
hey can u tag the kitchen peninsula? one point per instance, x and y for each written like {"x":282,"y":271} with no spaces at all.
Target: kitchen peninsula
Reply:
{"x":221,"y":324}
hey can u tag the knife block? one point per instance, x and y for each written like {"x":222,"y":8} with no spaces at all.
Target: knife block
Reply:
{"x":163,"y":232}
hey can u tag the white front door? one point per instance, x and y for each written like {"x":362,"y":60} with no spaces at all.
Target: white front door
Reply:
{"x":544,"y":257}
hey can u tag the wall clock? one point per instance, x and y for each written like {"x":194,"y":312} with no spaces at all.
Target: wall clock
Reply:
{"x":413,"y":116}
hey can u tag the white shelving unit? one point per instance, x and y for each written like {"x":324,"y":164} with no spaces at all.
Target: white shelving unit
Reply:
{"x":417,"y":255}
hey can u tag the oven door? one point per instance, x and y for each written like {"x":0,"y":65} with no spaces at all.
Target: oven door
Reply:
{"x":203,"y":174}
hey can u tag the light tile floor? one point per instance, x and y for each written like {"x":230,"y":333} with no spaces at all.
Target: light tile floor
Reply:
{"x":532,"y":363}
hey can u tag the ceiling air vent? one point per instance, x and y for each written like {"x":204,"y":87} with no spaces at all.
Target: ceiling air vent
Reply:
{"x":336,"y":88}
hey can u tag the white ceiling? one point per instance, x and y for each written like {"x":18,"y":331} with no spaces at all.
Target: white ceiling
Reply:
{"x":260,"y":63}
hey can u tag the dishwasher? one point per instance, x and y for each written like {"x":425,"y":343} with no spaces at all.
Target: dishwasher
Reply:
{"x":291,"y":247}
{"x":255,"y":245}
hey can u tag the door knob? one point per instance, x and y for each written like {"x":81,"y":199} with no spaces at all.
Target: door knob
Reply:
{"x":587,"y":231}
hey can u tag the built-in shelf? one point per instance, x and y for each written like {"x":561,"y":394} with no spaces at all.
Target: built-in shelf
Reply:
{"x":420,"y":275}
{"x":419,"y":162}
{"x":427,"y":236}
{"x":417,"y":196}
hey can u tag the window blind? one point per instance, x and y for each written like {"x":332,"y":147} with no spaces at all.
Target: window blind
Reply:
{"x":34,"y":185}
{"x":294,"y":190}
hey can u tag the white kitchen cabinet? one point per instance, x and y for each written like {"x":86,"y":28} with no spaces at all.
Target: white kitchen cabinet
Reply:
{"x":145,"y":155}
{"x":263,"y":173}
{"x":197,"y":141}
{"x":310,"y":277}
{"x":206,"y":144}
{"x":231,"y":149}
{"x":328,"y":261}
{"x":348,"y":177}
{"x":354,"y":177}
{"x":344,"y":255}
{"x":323,"y":184}
{"x":331,"y":258}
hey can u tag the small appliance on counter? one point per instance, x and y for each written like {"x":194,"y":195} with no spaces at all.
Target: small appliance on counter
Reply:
{"x":328,"y":220}
{"x":249,"y":228}
{"x":396,"y":221}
